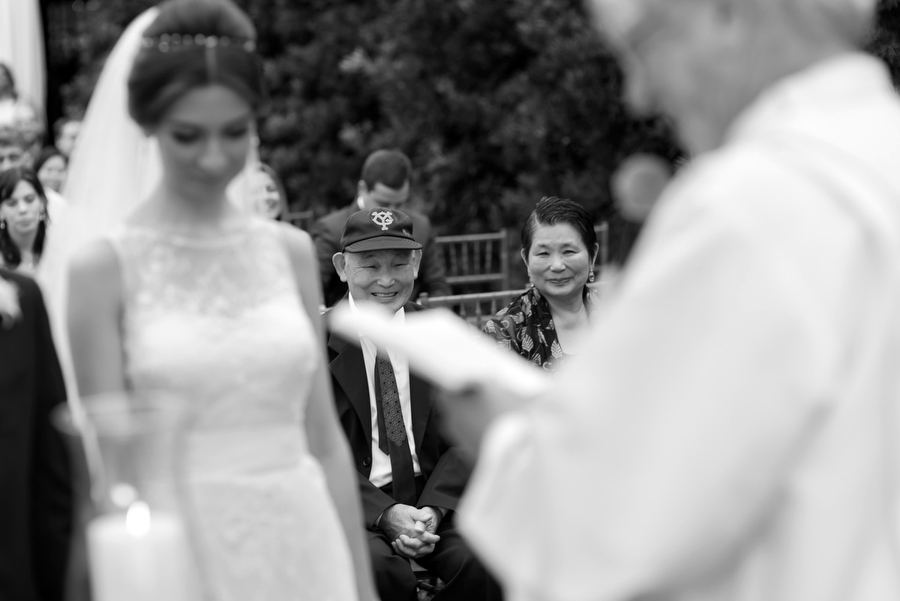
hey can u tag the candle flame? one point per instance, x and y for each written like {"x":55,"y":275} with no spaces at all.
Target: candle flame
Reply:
{"x":137,"y":519}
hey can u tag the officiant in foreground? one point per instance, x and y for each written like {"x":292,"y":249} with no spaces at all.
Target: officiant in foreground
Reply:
{"x":732,"y":433}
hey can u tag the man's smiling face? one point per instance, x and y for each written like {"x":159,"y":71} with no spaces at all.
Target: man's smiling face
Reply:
{"x":380,"y":276}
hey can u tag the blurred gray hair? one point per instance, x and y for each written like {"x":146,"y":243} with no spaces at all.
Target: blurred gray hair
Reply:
{"x":847,"y":20}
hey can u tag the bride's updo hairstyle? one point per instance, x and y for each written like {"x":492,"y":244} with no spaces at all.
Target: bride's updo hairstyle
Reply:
{"x":190,"y":44}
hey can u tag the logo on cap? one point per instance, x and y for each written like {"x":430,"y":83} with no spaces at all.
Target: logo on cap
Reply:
{"x":383,"y":218}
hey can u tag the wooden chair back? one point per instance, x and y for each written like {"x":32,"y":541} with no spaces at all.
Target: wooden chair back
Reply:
{"x":475,"y":308}
{"x":481,"y":259}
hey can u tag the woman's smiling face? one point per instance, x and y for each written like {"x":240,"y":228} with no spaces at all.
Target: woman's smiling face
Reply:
{"x":558,"y":262}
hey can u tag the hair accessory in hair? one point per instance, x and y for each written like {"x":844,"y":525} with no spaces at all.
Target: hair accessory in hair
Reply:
{"x":172,"y":41}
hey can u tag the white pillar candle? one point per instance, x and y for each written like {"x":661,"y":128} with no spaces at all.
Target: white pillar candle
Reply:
{"x":141,"y":557}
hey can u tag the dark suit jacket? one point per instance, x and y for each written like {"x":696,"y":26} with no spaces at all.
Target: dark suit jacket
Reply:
{"x":443,"y":468}
{"x":326,"y":233}
{"x":35,"y":484}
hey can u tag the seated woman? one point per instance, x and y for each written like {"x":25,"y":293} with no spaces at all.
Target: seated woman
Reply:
{"x":23,"y":219}
{"x":559,"y":247}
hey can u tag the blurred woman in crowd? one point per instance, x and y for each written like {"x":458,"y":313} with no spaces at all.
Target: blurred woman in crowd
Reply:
{"x":17,"y":114}
{"x":267,"y":195}
{"x":559,"y":248}
{"x":50,"y":167}
{"x":23,"y":219}
{"x":8,"y":96}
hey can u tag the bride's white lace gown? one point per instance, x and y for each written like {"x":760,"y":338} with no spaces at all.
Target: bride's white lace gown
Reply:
{"x":219,"y":320}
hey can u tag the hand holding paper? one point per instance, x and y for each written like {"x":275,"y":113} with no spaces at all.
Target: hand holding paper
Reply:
{"x":443,"y":349}
{"x":479,"y":381}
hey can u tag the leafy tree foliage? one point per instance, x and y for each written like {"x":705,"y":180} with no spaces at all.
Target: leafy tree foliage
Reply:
{"x":498,"y":102}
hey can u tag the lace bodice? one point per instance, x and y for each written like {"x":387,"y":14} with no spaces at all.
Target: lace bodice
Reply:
{"x":218,"y":320}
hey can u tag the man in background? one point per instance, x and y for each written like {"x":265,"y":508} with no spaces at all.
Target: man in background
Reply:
{"x":385,"y":182}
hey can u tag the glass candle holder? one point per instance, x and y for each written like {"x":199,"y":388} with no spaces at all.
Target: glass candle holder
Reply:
{"x":132,"y":527}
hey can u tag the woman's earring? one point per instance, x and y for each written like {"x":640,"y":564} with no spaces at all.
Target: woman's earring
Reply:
{"x":591,"y":277}
{"x":2,"y":224}
{"x":43,"y":216}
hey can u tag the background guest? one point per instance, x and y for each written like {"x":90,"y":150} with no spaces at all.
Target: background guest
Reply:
{"x":267,"y":195}
{"x":385,"y":182}
{"x":31,"y":127}
{"x":65,"y":134}
{"x":17,"y":114}
{"x":36,"y":503}
{"x":23,"y":219}
{"x":9,"y":97}
{"x":559,"y":248}
{"x":410,"y":479}
{"x":50,"y":167}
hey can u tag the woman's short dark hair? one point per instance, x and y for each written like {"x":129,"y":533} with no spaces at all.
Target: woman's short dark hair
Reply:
{"x":190,"y":44}
{"x":9,"y":179}
{"x":551,"y":210}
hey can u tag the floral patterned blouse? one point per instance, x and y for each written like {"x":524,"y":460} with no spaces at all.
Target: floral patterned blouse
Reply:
{"x":526,"y":327}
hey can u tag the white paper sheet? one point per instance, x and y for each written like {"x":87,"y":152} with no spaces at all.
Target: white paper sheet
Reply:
{"x":443,"y":349}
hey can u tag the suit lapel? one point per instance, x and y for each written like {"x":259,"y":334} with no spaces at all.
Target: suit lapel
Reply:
{"x":349,"y":371}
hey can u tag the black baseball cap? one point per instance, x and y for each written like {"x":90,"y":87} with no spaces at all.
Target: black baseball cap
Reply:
{"x":378,"y":229}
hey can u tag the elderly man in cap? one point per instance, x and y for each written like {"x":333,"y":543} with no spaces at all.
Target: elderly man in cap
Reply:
{"x":384,"y":182}
{"x":730,"y":430}
{"x":410,"y":478}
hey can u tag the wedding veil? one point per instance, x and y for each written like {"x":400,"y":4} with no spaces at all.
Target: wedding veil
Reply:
{"x":110,"y":171}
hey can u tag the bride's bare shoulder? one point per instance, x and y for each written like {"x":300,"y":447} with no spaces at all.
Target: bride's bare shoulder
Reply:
{"x":95,"y":264}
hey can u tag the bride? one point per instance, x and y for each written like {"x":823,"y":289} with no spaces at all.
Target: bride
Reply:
{"x":189,"y":293}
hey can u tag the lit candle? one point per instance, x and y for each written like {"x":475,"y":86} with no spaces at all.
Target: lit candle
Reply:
{"x":139,"y":557}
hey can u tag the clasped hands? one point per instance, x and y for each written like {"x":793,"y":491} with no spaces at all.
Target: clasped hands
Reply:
{"x":410,"y":529}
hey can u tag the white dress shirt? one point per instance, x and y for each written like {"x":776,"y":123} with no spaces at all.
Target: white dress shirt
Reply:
{"x":381,"y":462}
{"x":733,"y":433}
